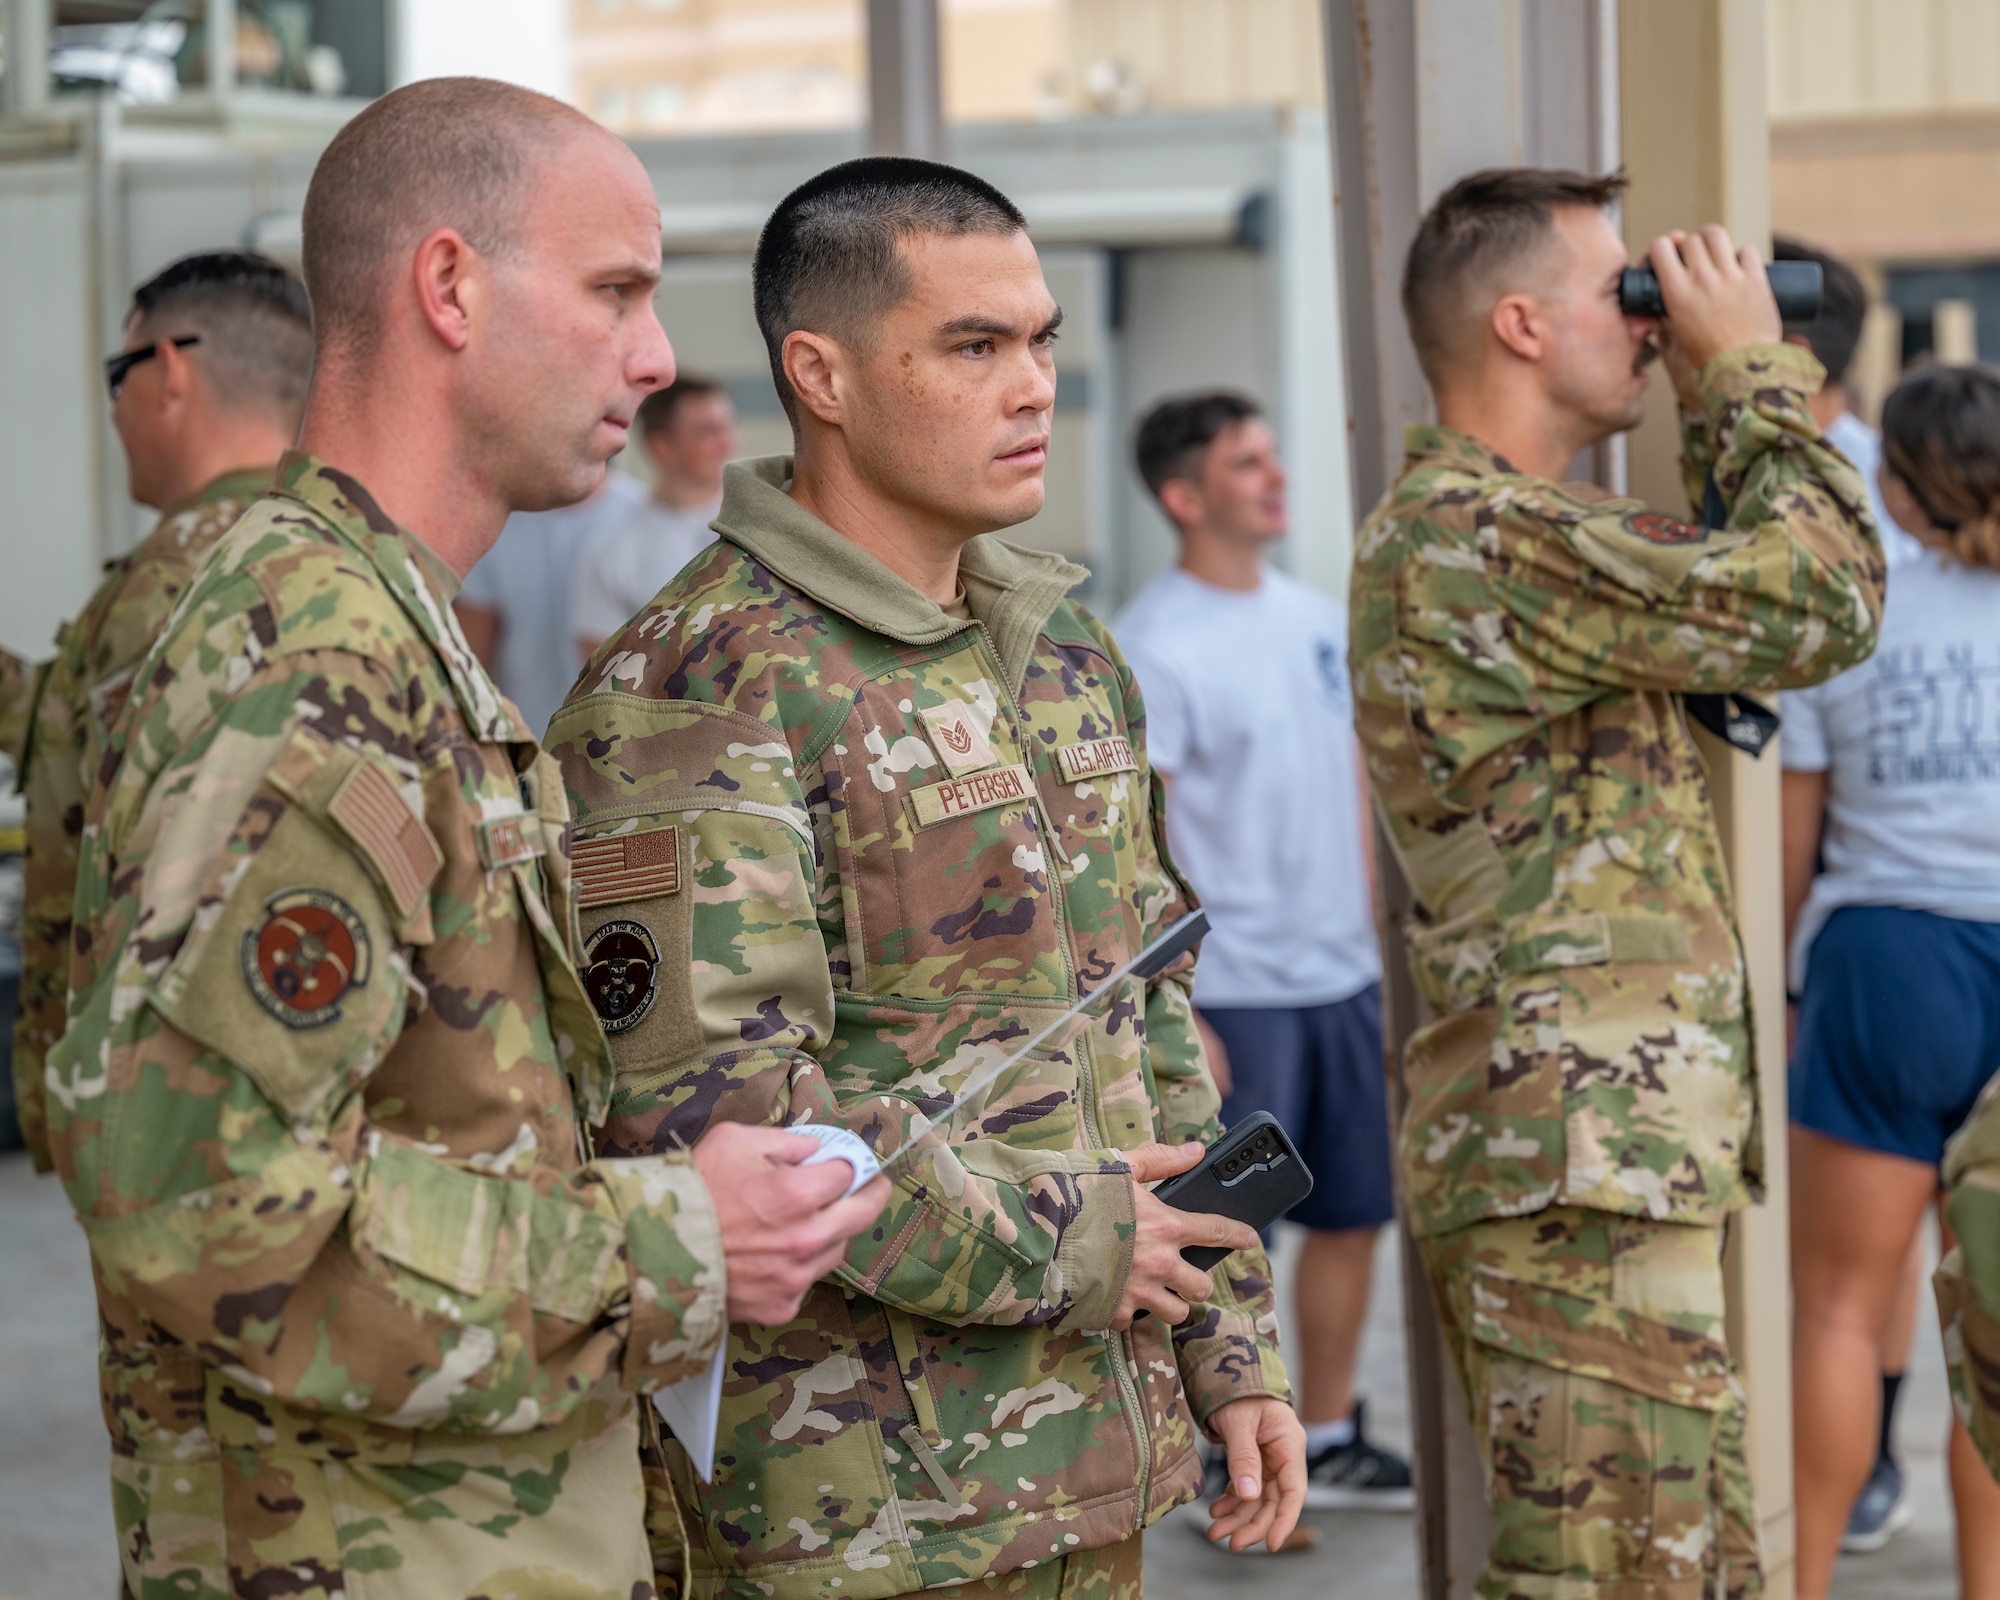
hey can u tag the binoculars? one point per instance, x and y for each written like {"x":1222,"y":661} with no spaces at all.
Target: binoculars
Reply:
{"x":1797,"y":286}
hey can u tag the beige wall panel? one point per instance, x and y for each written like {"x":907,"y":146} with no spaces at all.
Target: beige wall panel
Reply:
{"x":1907,"y":188}
{"x":1970,"y":36}
{"x":1002,"y":59}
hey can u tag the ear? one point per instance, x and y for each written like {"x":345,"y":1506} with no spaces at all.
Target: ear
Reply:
{"x":1517,"y":322}
{"x":1183,"y":502}
{"x":178,"y":377}
{"x":446,"y":272}
{"x":817,"y":367}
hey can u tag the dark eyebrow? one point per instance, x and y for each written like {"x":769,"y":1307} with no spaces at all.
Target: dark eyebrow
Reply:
{"x":991,"y":327}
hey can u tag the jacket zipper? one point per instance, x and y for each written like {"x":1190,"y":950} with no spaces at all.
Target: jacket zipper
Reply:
{"x":1118,"y":1346}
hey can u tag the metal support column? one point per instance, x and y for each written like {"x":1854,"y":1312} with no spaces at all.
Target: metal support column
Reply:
{"x":221,"y":42}
{"x":24,"y":31}
{"x":1420,"y":93}
{"x":905,"y":97}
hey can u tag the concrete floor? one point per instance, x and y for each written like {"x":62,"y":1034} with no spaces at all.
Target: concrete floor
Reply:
{"x":55,"y":1529}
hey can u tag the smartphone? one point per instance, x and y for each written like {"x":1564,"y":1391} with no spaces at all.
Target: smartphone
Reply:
{"x":1253,"y":1174}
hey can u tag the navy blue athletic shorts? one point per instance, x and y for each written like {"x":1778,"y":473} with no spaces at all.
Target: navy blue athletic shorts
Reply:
{"x":1899,"y":1028}
{"x":1318,"y":1070}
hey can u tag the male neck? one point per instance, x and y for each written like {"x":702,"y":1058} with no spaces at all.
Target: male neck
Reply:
{"x":907,"y":539}
{"x":1224,"y":561}
{"x":400,"y":445}
{"x":221,"y":445}
{"x":676,"y":493}
{"x":1516,"y":421}
{"x":1829,"y":405}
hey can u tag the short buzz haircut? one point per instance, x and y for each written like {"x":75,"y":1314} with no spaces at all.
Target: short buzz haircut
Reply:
{"x":1474,"y":239}
{"x":656,"y":412}
{"x":1835,"y":334}
{"x":1174,"y":437}
{"x":440,"y":153}
{"x":252,"y":319}
{"x":828,"y":260}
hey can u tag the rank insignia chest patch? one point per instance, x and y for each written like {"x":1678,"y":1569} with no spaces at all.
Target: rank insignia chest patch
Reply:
{"x":310,"y":949}
{"x":960,"y":741}
{"x":620,"y":974}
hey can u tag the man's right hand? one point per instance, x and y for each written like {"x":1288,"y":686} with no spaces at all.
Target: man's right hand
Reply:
{"x":1161,"y":1282}
{"x":784,"y":1226}
{"x":1717,"y":298}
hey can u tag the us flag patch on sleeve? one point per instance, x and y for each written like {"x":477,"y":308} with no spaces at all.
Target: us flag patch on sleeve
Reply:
{"x":626,"y":866}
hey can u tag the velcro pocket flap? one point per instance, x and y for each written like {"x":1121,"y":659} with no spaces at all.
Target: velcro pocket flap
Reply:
{"x":1597,"y":1339}
{"x":291,"y":969}
{"x":474,"y":1233}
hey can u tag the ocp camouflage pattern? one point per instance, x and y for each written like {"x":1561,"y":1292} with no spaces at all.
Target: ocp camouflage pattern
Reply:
{"x":1519,"y":652}
{"x":885,"y":884}
{"x":371,"y":1317}
{"x":1590,"y":1345}
{"x":76,"y":699}
{"x":1967,"y":1281}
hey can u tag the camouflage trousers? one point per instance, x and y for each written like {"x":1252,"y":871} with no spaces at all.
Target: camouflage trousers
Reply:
{"x":1604,"y":1403}
{"x":550,"y":1514}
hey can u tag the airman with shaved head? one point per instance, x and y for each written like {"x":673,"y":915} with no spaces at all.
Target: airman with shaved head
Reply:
{"x":375,"y":1312}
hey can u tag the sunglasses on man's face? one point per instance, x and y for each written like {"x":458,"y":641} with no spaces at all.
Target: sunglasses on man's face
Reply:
{"x":118,"y":368}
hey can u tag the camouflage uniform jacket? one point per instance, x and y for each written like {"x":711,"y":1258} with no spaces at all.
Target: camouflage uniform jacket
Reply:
{"x":836,"y":850}
{"x":77,"y":698}
{"x":1968,"y":1279}
{"x":318,"y":1104}
{"x":1519,"y":649}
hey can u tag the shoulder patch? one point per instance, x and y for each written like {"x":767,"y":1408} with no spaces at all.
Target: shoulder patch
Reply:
{"x":626,"y":866}
{"x":1656,"y":527}
{"x":310,"y":948}
{"x":393,"y":838}
{"x":621,"y":965}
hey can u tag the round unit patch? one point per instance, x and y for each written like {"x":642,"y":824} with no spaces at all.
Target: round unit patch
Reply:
{"x":310,"y":949}
{"x":1656,"y":527}
{"x":620,"y":963}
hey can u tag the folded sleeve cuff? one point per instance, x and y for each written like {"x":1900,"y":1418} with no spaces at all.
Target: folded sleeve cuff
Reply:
{"x":679,"y":1283}
{"x":1093,"y":1262}
{"x":1228,"y":1350}
{"x":1739,"y":374}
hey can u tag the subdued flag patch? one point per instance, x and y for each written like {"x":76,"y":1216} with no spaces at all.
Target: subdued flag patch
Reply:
{"x":371,"y":808}
{"x":626,"y":866}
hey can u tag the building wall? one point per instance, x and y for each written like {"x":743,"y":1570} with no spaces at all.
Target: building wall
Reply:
{"x":717,"y":66}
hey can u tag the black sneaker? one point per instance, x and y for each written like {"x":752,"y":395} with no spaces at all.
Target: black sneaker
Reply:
{"x":1881,"y":1511}
{"x":1358,"y":1476}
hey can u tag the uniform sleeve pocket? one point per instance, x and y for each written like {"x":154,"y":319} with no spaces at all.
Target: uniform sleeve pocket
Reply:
{"x":290,"y":967}
{"x":1598,"y":1339}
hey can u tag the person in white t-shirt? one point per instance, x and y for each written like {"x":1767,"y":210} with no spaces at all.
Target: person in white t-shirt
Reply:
{"x":689,"y":432}
{"x":1883,"y":1508}
{"x":515,"y":603}
{"x":1243,"y":671}
{"x":1833,"y":338}
{"x":1893,"y":769}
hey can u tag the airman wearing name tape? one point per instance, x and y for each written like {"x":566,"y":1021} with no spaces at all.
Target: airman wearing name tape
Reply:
{"x":206,"y":395}
{"x":862,"y":799}
{"x":375,"y":1314}
{"x":1582,"y":1110}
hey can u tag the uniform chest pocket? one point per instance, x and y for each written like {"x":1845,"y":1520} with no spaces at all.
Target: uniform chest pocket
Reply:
{"x":943,"y":863}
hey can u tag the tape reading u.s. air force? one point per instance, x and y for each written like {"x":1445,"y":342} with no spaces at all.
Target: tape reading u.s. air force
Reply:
{"x":626,"y":866}
{"x":960,"y":797}
{"x":1095,"y":758}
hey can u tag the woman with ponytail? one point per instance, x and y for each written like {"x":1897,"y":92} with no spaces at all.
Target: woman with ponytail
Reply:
{"x":1893,"y":780}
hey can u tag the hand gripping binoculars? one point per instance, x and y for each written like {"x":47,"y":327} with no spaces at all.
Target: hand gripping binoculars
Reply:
{"x":1797,"y":286}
